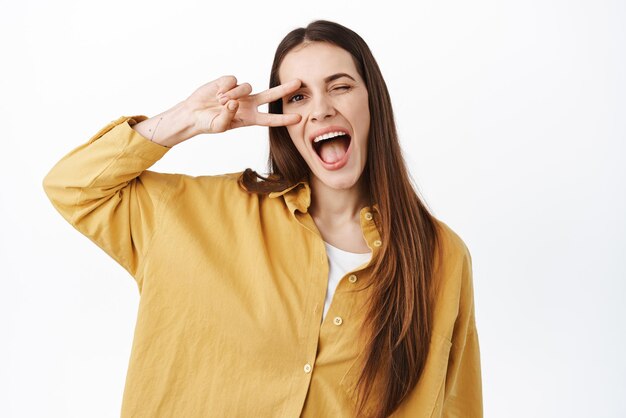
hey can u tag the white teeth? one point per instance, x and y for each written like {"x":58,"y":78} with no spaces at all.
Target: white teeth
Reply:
{"x":328,"y":136}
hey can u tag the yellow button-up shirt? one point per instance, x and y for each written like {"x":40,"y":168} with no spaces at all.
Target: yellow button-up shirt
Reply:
{"x":232,"y":289}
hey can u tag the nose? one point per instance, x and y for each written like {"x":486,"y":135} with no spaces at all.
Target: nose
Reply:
{"x":322,"y":108}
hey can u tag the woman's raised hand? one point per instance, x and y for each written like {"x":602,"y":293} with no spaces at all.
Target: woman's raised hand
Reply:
{"x":215,"y":107}
{"x":222,"y":104}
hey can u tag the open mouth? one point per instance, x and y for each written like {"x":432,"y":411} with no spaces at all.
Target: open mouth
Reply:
{"x":332,"y":150}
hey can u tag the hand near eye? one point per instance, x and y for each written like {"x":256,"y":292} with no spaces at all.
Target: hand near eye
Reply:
{"x":222,"y":104}
{"x":216,"y":107}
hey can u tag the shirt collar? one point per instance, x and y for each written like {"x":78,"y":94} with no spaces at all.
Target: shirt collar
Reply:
{"x":298,"y":197}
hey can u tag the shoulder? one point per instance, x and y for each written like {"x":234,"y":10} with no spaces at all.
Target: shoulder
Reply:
{"x":223,"y":180}
{"x":187,"y":185}
{"x":453,"y":276}
{"x":452,"y":247}
{"x":204,"y":194}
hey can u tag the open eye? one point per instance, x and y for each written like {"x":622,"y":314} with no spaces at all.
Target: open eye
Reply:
{"x":291,"y":99}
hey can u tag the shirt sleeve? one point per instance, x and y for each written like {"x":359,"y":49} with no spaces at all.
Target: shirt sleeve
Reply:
{"x":104,"y":190}
{"x":463,"y":392}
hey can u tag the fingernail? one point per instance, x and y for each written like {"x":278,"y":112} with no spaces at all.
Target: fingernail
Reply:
{"x":232,"y":105}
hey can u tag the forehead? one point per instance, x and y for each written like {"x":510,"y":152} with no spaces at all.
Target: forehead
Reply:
{"x":315,"y":61}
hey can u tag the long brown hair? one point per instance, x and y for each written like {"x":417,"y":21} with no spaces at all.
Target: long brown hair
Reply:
{"x":399,"y":316}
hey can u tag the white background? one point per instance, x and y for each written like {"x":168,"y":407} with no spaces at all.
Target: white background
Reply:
{"x":512,"y":118}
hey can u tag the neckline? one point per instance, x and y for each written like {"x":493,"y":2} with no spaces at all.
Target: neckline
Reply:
{"x":347,"y":252}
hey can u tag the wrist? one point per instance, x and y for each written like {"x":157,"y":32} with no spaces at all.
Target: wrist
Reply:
{"x":170,"y":127}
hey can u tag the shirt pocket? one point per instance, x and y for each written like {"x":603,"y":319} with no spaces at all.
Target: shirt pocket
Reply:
{"x":426,"y":398}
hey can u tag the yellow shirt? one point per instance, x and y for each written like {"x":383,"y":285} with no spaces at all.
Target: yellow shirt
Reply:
{"x":232,"y":289}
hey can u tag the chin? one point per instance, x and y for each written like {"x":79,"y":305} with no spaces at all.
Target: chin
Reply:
{"x":339,"y":181}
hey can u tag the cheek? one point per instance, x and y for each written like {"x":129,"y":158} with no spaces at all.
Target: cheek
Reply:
{"x":364,"y":123}
{"x":365,"y":114}
{"x":362,"y":115}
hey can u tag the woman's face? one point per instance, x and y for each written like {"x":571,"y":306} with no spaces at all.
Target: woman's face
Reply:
{"x":332,"y":99}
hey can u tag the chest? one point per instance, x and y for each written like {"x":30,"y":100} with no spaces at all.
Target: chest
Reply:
{"x":253,"y":279}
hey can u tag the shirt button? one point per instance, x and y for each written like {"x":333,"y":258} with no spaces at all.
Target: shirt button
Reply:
{"x":338,"y":320}
{"x":378,"y":243}
{"x":368,"y":216}
{"x":352,"y":278}
{"x":307,"y":368}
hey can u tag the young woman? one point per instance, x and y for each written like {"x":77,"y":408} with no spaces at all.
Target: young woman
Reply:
{"x":325,"y":289}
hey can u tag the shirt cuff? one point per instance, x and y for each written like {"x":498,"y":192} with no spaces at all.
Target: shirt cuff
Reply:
{"x":121,"y":131}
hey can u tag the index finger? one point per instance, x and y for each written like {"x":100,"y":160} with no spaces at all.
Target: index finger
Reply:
{"x":278,"y":92}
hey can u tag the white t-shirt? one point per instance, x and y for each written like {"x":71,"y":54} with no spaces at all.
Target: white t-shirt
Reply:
{"x":340,"y":262}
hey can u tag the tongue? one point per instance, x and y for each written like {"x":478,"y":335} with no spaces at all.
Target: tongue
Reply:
{"x":333,"y":150}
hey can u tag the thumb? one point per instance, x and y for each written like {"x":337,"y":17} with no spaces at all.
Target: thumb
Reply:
{"x":223,"y":120}
{"x":232,"y":106}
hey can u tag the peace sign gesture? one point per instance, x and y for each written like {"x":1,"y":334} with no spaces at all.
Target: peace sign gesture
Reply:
{"x":222,"y":104}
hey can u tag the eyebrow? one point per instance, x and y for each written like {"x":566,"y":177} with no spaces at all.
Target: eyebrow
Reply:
{"x":331,"y":78}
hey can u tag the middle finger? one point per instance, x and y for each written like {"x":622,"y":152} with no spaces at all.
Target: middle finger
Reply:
{"x":236,"y":92}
